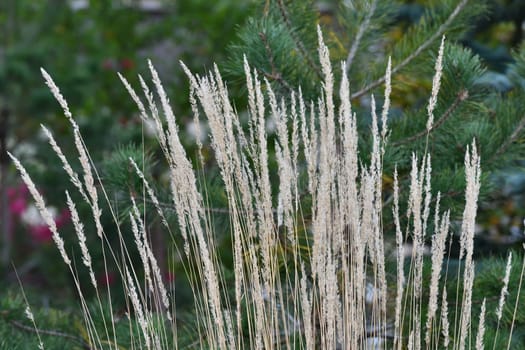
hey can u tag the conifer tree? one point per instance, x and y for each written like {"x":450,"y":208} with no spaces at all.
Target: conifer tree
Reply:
{"x":317,"y":299}
{"x":365,"y":34}
{"x":368,"y":34}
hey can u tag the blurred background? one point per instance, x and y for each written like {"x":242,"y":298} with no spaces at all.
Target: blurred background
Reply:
{"x":82,"y":44}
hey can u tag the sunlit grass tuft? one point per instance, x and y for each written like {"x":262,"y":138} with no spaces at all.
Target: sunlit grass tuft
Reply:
{"x":333,"y":289}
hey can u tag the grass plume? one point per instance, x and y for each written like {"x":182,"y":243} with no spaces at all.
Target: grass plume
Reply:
{"x":334,"y":293}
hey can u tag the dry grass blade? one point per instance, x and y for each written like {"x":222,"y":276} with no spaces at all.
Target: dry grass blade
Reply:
{"x":315,"y":274}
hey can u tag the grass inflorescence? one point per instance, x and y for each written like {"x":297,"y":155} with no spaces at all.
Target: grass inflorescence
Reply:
{"x":311,"y":266}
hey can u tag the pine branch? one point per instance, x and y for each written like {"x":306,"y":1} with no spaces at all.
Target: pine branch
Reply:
{"x":298,"y":43}
{"x":54,"y":333}
{"x":275,"y":74}
{"x":169,"y":207}
{"x":510,"y":140}
{"x":461,"y":96}
{"x":439,"y":33}
{"x":359,"y":35}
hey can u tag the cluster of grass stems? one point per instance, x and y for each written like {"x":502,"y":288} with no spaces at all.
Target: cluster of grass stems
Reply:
{"x":335,"y":293}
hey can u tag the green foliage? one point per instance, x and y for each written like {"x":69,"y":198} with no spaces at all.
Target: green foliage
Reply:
{"x":364,"y":34}
{"x":17,"y":332}
{"x":488,"y":285}
{"x":62,"y":326}
{"x":82,"y":49}
{"x":59,"y":328}
{"x":281,"y":44}
{"x":126,"y":181}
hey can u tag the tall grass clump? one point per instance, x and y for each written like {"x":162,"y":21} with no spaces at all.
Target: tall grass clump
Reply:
{"x":307,"y":273}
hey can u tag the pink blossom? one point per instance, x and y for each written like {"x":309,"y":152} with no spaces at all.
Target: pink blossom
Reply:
{"x":108,"y":64}
{"x":17,"y":199}
{"x":127,"y":63}
{"x":18,"y":191}
{"x":169,"y":276}
{"x":41,"y":233}
{"x":63,"y":218}
{"x":11,"y":192}
{"x":107,"y":278}
{"x":23,"y":190}
{"x":17,"y":206}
